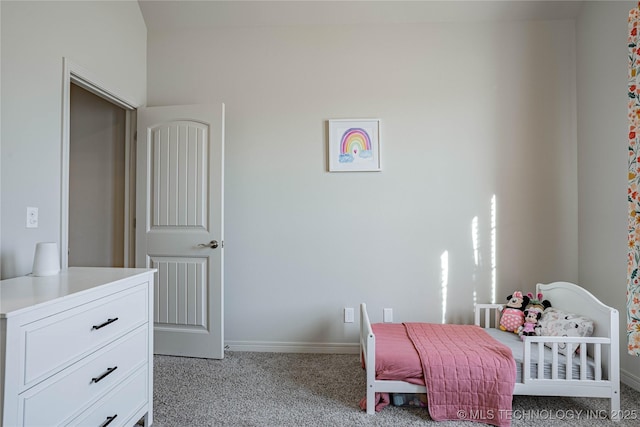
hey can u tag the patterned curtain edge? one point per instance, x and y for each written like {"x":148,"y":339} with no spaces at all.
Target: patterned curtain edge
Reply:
{"x":633,"y":281}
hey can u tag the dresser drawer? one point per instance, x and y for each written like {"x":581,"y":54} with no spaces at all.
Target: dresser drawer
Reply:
{"x":120,"y":405}
{"x":61,"y":397}
{"x":53,"y":343}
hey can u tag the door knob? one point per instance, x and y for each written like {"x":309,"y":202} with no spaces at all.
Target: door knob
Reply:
{"x":212,"y":244}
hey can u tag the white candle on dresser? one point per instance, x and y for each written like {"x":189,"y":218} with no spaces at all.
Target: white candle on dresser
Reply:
{"x":46,"y":260}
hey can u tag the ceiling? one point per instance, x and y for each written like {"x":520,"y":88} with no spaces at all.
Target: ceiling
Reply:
{"x":166,"y":15}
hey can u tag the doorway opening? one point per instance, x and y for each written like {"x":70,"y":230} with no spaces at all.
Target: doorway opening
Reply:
{"x":98,"y":173}
{"x":96,"y":181}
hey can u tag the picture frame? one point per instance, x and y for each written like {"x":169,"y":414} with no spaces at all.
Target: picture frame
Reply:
{"x":354,"y":145}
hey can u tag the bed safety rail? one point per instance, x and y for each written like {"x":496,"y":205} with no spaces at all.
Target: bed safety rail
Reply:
{"x":488,"y":316}
{"x":583,"y":345}
{"x":483,"y":315}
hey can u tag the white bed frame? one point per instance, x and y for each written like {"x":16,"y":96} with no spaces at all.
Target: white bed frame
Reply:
{"x":603,"y":348}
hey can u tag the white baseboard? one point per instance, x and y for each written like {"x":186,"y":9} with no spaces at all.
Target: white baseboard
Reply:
{"x":292,"y":347}
{"x":629,"y":379}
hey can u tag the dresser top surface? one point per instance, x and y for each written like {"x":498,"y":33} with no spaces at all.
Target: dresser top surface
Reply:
{"x":21,"y":293}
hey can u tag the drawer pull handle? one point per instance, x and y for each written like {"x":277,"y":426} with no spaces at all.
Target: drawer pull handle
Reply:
{"x":108,"y":421}
{"x":101,"y":377}
{"x":108,"y":322}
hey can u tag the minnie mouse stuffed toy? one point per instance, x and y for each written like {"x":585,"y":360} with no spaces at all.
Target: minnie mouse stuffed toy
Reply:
{"x":532,"y":314}
{"x":531,"y":318}
{"x":513,"y":312}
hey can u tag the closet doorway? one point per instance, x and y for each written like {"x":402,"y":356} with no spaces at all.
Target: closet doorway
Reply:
{"x":97,"y":182}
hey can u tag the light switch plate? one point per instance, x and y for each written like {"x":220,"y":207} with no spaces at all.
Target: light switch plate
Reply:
{"x":32,"y":217}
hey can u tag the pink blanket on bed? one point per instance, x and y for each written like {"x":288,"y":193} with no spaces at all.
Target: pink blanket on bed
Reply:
{"x":468,"y":374}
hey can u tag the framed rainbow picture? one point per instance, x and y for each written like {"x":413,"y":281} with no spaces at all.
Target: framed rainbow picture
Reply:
{"x":354,"y":145}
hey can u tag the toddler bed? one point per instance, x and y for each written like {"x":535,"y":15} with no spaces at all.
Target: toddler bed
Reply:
{"x":393,"y":364}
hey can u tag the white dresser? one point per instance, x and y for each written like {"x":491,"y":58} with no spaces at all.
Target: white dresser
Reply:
{"x":77,"y":348}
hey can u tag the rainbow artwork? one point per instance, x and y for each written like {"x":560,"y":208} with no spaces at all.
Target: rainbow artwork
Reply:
{"x":355,"y":142}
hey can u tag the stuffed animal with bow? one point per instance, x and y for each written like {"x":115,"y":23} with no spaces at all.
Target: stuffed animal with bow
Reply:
{"x":533,"y":313}
{"x":530,"y":327}
{"x":512,"y":317}
{"x":537,"y":302}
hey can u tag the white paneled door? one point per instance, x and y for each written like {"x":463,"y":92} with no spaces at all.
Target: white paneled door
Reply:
{"x":179,"y":224}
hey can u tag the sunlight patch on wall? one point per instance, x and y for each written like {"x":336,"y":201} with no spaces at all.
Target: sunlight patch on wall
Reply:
{"x":444,"y":280}
{"x":476,"y":254}
{"x":474,"y":240}
{"x":494,"y":278}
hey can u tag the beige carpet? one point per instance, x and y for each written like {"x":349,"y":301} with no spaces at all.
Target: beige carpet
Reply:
{"x":285,"y":389}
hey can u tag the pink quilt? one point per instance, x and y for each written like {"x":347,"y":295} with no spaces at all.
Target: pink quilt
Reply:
{"x":468,"y":374}
{"x":396,"y":356}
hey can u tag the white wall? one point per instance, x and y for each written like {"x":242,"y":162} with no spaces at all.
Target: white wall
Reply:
{"x":106,"y":38}
{"x":602,"y":159}
{"x":468,"y":111}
